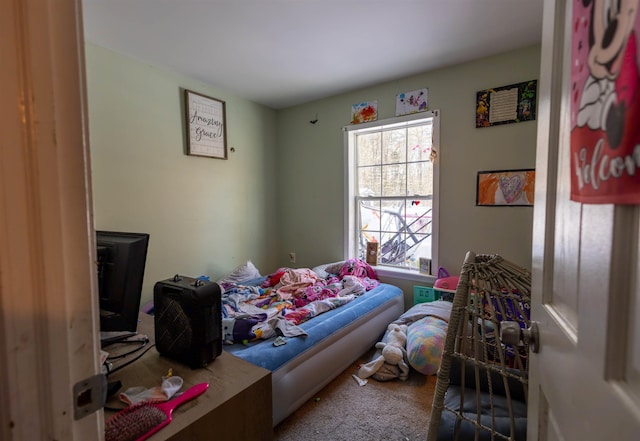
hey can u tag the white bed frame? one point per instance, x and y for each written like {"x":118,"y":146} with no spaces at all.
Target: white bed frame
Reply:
{"x":303,"y":376}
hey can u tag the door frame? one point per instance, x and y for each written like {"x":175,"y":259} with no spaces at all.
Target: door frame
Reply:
{"x":48,"y":315}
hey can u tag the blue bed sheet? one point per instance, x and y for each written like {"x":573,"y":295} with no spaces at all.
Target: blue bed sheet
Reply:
{"x":264,"y":354}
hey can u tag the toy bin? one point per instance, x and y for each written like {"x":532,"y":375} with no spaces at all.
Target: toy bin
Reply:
{"x":424,"y":294}
{"x":446,"y":287}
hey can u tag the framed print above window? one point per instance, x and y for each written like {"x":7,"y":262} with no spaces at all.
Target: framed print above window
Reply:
{"x":506,"y":104}
{"x":206,"y":126}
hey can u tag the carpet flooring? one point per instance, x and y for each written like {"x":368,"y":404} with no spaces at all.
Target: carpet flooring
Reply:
{"x":378,"y":411}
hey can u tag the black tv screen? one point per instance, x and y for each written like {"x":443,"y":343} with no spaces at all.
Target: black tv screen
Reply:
{"x":121,"y":262}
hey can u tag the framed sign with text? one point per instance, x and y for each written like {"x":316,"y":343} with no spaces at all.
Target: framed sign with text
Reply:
{"x":506,"y":104}
{"x":206,"y":126}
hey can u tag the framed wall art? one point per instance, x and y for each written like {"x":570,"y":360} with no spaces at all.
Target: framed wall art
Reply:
{"x":513,"y":188}
{"x":506,"y":104}
{"x":412,"y":102}
{"x":364,"y":112}
{"x":206,"y":125}
{"x":425,"y":265}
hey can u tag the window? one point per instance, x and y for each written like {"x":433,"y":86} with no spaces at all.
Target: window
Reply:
{"x":392,"y":189}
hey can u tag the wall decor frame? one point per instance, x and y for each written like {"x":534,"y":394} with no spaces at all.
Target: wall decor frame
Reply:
{"x":500,"y":188}
{"x":425,"y":265}
{"x":364,"y":112}
{"x":506,"y":104}
{"x":412,"y":102}
{"x":206,"y":123}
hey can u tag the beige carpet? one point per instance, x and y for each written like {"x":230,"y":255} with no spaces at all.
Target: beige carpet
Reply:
{"x":392,"y":410}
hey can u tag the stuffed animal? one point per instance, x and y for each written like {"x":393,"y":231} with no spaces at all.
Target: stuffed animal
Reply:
{"x":393,"y":353}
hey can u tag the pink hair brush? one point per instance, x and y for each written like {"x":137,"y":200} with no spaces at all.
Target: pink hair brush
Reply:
{"x":140,"y":421}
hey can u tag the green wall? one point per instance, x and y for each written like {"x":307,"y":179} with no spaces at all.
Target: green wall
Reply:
{"x":311,"y":164}
{"x":282,"y":188}
{"x":205,"y":216}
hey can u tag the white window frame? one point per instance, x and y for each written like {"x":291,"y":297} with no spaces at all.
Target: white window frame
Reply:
{"x":350,"y":223}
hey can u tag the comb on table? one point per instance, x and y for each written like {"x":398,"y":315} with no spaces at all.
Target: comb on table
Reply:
{"x":140,"y":421}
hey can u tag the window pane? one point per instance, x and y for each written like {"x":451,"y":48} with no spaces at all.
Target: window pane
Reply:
{"x":368,"y":149}
{"x":370,"y":220}
{"x":422,"y":248}
{"x":418,"y":216}
{"x":392,"y":249}
{"x":394,"y":146}
{"x":420,"y":178}
{"x":369,"y":181}
{"x":394,"y":180}
{"x":419,"y":143}
{"x":391,"y":213}
{"x":406,"y":231}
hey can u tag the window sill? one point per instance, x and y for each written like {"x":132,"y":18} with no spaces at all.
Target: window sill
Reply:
{"x":404,"y":274}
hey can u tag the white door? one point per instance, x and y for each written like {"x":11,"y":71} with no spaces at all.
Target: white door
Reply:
{"x":48,"y":318}
{"x":585,"y":381}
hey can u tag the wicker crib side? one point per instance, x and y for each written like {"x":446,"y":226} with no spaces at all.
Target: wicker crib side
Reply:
{"x":491,"y":289}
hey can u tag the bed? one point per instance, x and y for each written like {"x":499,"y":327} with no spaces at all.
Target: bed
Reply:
{"x":330,"y":342}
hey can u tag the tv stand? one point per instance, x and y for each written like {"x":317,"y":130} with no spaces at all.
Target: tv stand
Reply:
{"x":236,"y":407}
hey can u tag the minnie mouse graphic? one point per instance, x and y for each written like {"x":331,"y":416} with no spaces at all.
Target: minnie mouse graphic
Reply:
{"x":605,"y":135}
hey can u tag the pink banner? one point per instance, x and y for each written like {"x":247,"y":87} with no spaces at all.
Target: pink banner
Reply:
{"x":605,"y":102}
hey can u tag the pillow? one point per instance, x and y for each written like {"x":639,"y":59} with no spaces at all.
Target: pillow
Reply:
{"x":335,"y":267}
{"x":242,"y":273}
{"x":328,"y":269}
{"x":425,"y":344}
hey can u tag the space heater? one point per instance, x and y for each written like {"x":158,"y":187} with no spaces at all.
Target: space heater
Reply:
{"x":188,"y":320}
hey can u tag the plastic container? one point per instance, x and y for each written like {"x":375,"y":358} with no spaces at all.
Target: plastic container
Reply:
{"x":446,"y":287}
{"x":424,"y":294}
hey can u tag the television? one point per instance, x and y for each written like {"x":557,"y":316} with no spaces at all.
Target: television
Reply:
{"x":121,"y":261}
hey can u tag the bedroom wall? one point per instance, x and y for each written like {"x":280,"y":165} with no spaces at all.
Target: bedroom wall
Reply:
{"x":312,"y":170}
{"x":205,"y":216}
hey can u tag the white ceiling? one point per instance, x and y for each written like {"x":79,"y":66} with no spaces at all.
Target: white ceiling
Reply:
{"x":286,"y":52}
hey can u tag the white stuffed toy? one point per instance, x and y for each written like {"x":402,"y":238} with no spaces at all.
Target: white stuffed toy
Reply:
{"x":393,"y":353}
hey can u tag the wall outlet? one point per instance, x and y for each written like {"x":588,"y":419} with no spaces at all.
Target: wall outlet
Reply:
{"x":292,"y":257}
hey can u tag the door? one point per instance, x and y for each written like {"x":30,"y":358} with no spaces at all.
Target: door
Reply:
{"x":585,"y":381}
{"x":48,"y":318}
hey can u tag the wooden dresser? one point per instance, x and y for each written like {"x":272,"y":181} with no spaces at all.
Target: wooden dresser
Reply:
{"x":237,"y":405}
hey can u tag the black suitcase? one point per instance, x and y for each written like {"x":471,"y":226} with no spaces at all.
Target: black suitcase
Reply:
{"x":188,"y":320}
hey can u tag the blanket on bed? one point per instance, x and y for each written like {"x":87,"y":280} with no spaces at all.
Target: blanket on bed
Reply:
{"x":285,"y":299}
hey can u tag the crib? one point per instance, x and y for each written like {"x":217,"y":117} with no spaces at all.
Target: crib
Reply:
{"x":481,"y":387}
